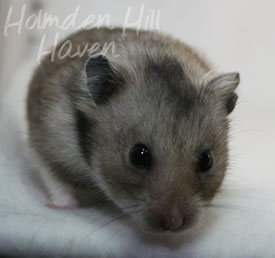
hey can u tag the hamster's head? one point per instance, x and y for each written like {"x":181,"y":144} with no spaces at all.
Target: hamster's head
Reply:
{"x":159,"y":147}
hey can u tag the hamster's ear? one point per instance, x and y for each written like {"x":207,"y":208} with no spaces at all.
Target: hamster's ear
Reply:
{"x":225,"y":85}
{"x":101,"y":80}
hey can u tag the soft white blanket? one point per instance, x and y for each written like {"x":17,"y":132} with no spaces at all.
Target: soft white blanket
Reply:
{"x":241,"y":225}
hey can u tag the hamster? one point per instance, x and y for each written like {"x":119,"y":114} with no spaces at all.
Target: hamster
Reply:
{"x":145,"y":123}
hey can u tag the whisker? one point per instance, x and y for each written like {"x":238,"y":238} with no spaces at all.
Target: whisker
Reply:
{"x":227,"y":195}
{"x":19,"y":213}
{"x":230,"y":207}
{"x":139,"y":199}
{"x":119,"y":229}
{"x":107,"y":224}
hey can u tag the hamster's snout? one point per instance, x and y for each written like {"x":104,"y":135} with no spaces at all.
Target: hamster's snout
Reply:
{"x":172,"y":219}
{"x":171,"y":222}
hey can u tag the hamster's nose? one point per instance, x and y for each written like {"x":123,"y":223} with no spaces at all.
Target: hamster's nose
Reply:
{"x":172,"y":221}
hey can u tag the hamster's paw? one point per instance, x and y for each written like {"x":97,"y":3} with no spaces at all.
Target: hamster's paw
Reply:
{"x":62,"y":197}
{"x":67,"y":201}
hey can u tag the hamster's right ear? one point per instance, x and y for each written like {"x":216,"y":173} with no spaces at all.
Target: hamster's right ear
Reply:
{"x":102,"y":82}
{"x":225,"y":86}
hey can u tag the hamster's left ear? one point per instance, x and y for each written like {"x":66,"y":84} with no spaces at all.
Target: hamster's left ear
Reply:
{"x":225,"y":85}
{"x":102,"y":81}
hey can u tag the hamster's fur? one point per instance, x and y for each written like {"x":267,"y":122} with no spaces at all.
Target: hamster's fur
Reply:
{"x":87,"y":112}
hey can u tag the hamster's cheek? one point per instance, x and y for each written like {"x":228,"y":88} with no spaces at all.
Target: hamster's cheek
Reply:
{"x":210,"y":187}
{"x":123,"y":184}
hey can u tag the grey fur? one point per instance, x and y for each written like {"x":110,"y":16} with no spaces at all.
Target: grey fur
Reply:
{"x":170,"y":100}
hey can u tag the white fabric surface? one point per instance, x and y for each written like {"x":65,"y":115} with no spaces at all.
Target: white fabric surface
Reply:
{"x":241,"y":225}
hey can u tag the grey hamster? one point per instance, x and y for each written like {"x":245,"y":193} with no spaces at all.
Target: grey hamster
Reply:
{"x":145,"y":122}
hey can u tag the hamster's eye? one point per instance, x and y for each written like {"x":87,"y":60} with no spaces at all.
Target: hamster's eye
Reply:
{"x":205,"y":161}
{"x":140,"y":156}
